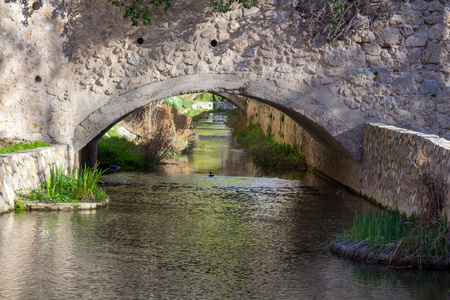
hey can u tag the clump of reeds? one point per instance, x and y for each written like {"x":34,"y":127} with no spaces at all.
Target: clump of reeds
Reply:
{"x":381,"y":228}
{"x":80,"y":186}
{"x":405,"y":244}
{"x":185,"y":136}
{"x":420,"y":240}
{"x":156,"y":147}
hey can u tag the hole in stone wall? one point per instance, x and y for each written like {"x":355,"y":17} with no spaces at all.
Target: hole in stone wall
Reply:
{"x":38,"y":79}
{"x":214,"y":43}
{"x":140,"y":41}
{"x":36,"y":5}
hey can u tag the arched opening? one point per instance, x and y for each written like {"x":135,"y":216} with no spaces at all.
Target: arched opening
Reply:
{"x":338,"y":133}
{"x":89,"y":152}
{"x":332,"y":142}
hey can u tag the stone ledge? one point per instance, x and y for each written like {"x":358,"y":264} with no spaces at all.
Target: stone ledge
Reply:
{"x":435,"y":139}
{"x":64,"y":206}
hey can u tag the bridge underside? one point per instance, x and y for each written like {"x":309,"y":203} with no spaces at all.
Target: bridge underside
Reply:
{"x":334,"y":128}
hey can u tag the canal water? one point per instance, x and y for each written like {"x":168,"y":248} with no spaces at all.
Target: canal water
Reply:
{"x":181,"y":234}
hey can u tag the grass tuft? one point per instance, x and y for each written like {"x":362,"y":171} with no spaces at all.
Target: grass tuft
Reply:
{"x":80,"y":186}
{"x":22,"y":146}
{"x":396,"y":240}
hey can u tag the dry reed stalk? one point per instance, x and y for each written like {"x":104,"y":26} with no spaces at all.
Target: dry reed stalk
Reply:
{"x":326,"y":21}
{"x":430,"y":189}
{"x":162,"y":132}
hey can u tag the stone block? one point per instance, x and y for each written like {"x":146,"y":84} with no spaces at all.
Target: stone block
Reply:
{"x":414,"y":18}
{"x":407,"y":31}
{"x":437,"y":32}
{"x":372,"y":48}
{"x":359,"y":76}
{"x":404,"y":85}
{"x":284,"y":68}
{"x":415,"y":55}
{"x":390,"y":36}
{"x":365,"y":36}
{"x":201,"y":67}
{"x":251,"y":11}
{"x":419,"y":5}
{"x":346,"y":55}
{"x":433,"y":19}
{"x":416,"y":40}
{"x":435,"y":6}
{"x":189,"y":58}
{"x":432,"y":54}
{"x":430,"y":87}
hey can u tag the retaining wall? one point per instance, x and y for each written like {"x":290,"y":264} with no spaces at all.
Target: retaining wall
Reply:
{"x":23,"y":170}
{"x":393,"y":158}
{"x":286,"y":130}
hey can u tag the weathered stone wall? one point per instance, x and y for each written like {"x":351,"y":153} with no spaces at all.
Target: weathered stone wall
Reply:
{"x":23,"y":170}
{"x":284,"y":129}
{"x":71,"y":68}
{"x":393,"y":158}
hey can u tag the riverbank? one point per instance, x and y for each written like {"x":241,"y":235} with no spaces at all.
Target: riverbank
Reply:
{"x":143,"y":140}
{"x":393,"y":239}
{"x":266,"y":152}
{"x":421,"y":240}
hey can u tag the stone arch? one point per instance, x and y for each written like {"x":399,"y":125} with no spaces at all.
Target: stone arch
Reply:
{"x":326,"y":125}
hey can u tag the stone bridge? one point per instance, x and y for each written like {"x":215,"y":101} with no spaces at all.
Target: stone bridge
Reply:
{"x":71,"y":69}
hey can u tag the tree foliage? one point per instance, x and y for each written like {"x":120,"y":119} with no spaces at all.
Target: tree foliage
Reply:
{"x":139,"y":10}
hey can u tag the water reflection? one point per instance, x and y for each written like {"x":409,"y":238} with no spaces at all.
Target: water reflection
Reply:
{"x":183,"y":235}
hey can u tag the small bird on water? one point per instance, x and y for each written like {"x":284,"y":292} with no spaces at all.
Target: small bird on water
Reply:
{"x":210,"y":174}
{"x":114,"y":168}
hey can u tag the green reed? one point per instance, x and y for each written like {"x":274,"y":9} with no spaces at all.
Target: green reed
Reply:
{"x":397,"y":240}
{"x":80,"y":186}
{"x":381,"y":228}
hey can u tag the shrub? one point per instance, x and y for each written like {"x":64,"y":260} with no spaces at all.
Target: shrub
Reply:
{"x":169,"y":134}
{"x":178,"y":102}
{"x":396,"y":240}
{"x":18,"y":206}
{"x":115,"y":150}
